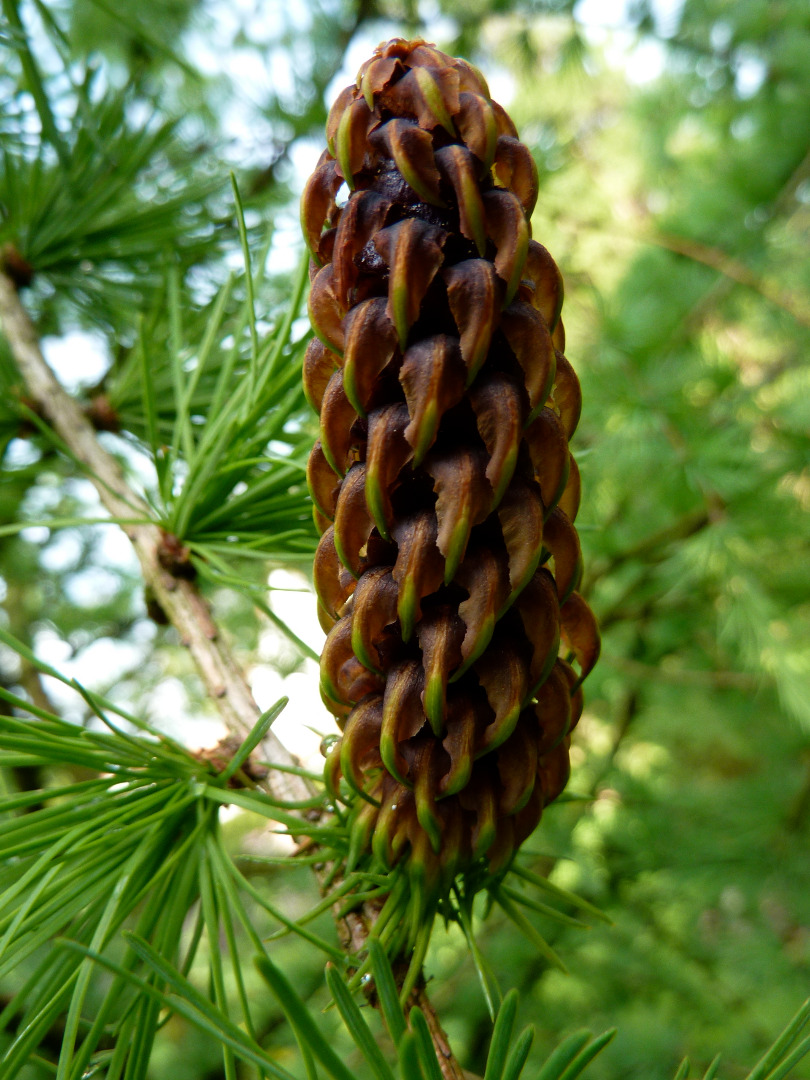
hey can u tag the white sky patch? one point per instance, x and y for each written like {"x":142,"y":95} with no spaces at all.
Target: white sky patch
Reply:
{"x":441,"y":27}
{"x":304,"y":721}
{"x":96,"y":667}
{"x":667,"y":15}
{"x":285,"y":252}
{"x":139,"y":463}
{"x":78,"y":358}
{"x":604,"y":14}
{"x":299,"y":328}
{"x":721,"y":34}
{"x":113,"y":547}
{"x":92,"y":586}
{"x":63,"y":552}
{"x":19,"y":453}
{"x":646,"y":61}
{"x":293,"y":600}
{"x":614,"y":15}
{"x":169,"y":712}
{"x":250,"y":69}
{"x":502,"y":86}
{"x":304,"y":156}
{"x":53,"y":650}
{"x":202,"y":53}
{"x":35,"y":534}
{"x":606,"y":23}
{"x":104,"y":661}
{"x":749,"y":75}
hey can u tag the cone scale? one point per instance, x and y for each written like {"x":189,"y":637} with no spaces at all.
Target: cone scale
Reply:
{"x":442,"y":481}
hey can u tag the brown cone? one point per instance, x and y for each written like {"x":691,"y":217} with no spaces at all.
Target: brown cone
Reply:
{"x":443,"y":485}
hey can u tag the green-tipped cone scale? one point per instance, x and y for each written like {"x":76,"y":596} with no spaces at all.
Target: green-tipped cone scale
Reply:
{"x":443,"y":484}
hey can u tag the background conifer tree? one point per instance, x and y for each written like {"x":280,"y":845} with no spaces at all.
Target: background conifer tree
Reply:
{"x":148,"y":492}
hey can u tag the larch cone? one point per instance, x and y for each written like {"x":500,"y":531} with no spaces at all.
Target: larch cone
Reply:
{"x":443,"y":484}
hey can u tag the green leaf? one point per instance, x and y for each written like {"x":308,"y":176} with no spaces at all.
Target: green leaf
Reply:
{"x":35,"y":83}
{"x":502,"y":1036}
{"x":257,"y":733}
{"x":17,"y":527}
{"x":774,"y":1055}
{"x":298,"y":1015}
{"x":212,"y":329}
{"x":182,"y":436}
{"x":587,"y":1054}
{"x":559,"y":893}
{"x":187,"y":1002}
{"x":348,"y":885}
{"x":147,"y":1012}
{"x":487,"y":981}
{"x":326,"y":947}
{"x":282,"y":336}
{"x":523,"y":924}
{"x":356,"y":1025}
{"x":301,"y":645}
{"x":418,"y":953}
{"x":162,"y":920}
{"x":790,"y":1061}
{"x":108,"y":920}
{"x":392,"y":1011}
{"x":251,"y":302}
{"x":425,"y":1049}
{"x":211,"y":915}
{"x":147,"y":386}
{"x":560,"y":1058}
{"x":519,"y":1054}
{"x":260,"y":803}
{"x":408,"y":1056}
{"x":711,"y":1072}
{"x":31,"y":1033}
{"x":541,"y":908}
{"x":310,"y":1065}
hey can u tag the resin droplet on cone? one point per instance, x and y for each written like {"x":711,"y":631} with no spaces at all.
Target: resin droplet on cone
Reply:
{"x":443,"y":485}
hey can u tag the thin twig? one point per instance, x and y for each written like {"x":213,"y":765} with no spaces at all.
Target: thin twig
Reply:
{"x":720,"y":680}
{"x":734,"y":269}
{"x":652,"y":548}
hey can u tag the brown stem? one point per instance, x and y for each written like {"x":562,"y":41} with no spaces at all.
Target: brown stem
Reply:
{"x":450,"y":1068}
{"x":180,"y":600}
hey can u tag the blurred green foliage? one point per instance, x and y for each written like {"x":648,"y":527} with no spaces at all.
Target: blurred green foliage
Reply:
{"x":674,"y":154}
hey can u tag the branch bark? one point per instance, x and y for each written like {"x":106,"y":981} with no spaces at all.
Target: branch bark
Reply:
{"x":180,"y":600}
{"x":450,"y":1068}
